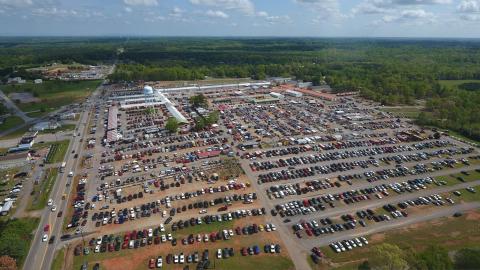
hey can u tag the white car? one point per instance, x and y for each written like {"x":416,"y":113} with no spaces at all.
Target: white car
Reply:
{"x":50,"y":202}
{"x":45,"y":238}
{"x":159,"y":262}
{"x":54,"y":208}
{"x":182,"y":258}
{"x":219,"y":253}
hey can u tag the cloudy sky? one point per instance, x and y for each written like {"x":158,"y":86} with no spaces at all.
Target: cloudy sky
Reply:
{"x":329,"y":18}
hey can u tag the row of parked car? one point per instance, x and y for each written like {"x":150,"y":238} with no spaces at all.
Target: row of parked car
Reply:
{"x":369,"y":152}
{"x":347,"y":245}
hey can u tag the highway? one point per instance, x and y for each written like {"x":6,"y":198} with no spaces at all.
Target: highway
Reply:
{"x":41,"y":254}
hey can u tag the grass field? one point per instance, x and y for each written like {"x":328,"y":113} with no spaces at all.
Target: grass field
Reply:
{"x":17,"y":133}
{"x":53,"y":94}
{"x":452,"y":179}
{"x":57,"y":151}
{"x":42,"y":191}
{"x":449,"y":232}
{"x":11,"y":122}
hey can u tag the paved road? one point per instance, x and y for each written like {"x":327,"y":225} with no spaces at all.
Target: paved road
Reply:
{"x":309,"y":243}
{"x":41,"y":137}
{"x":41,"y":254}
{"x":12,"y":106}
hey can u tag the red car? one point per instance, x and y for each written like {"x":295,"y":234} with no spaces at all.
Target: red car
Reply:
{"x":46,"y":228}
{"x":151,"y":264}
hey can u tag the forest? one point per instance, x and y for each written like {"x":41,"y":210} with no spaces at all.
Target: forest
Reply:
{"x":390,"y":71}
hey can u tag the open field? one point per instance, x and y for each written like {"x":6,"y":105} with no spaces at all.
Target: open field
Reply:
{"x":17,"y":133}
{"x":454,"y":84}
{"x":52,"y":94}
{"x":42,"y":190}
{"x":11,"y":122}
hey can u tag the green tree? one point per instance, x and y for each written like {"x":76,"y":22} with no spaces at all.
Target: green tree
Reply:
{"x":436,"y":258}
{"x":212,"y":118}
{"x":387,"y":257}
{"x":198,"y":101}
{"x":200,"y":123}
{"x":172,"y":125}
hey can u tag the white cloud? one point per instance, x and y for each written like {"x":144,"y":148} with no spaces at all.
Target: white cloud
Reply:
{"x":278,"y":19}
{"x":65,"y":13}
{"x":262,"y":14}
{"x":411,"y":16}
{"x":325,"y":9}
{"x":176,"y":12}
{"x":141,"y":2}
{"x":128,"y":9}
{"x":15,"y":3}
{"x":469,"y":6}
{"x":469,"y":10}
{"x":245,"y":6}
{"x":216,"y":14}
{"x":393,"y":6}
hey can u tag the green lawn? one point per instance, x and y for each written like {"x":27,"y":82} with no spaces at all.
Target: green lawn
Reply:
{"x":406,"y":111}
{"x":16,"y":236}
{"x":36,"y":114}
{"x":452,"y":179}
{"x":11,"y":122}
{"x":42,"y":191}
{"x":52,"y":94}
{"x":17,"y":133}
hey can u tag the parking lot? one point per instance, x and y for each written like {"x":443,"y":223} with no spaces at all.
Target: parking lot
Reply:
{"x":281,"y":177}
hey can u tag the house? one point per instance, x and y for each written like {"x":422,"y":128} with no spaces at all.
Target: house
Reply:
{"x":45,"y":126}
{"x":16,"y":80}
